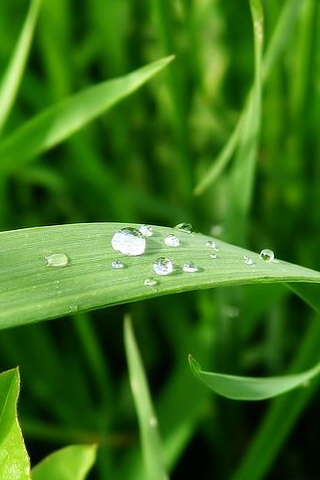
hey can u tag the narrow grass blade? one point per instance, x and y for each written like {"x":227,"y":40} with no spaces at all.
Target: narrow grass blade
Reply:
{"x":59,"y":122}
{"x":14,"y":460}
{"x":12,"y":76}
{"x":282,"y":415}
{"x":279,"y":40}
{"x":251,"y":388}
{"x":150,"y":438}
{"x":69,"y":463}
{"x":30,"y":290}
{"x":243,"y":170}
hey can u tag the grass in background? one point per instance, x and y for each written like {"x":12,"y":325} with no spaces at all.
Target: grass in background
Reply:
{"x":140,"y":163}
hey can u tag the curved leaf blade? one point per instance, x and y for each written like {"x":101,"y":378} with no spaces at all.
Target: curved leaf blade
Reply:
{"x":60,"y":121}
{"x":31,"y":291}
{"x":251,"y":388}
{"x":68,"y":463}
{"x":12,"y":76}
{"x":14,"y":459}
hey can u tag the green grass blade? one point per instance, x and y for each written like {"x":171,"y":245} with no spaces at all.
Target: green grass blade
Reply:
{"x":14,"y":459}
{"x":243,"y":170}
{"x":279,"y":40}
{"x":150,"y":438}
{"x":31,"y":291}
{"x":282,"y":415}
{"x":12,"y":76}
{"x":251,"y":388}
{"x":59,"y":122}
{"x":69,"y":463}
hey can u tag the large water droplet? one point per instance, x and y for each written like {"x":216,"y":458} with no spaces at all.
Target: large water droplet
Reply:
{"x":150,"y":282}
{"x":172,"y":240}
{"x":129,"y":241}
{"x":248,"y":260}
{"x":117,"y":264}
{"x":190,"y":267}
{"x":57,"y":260}
{"x":153,"y":422}
{"x":163,"y":266}
{"x":184,"y":227}
{"x":146,"y":230}
{"x":267,"y":255}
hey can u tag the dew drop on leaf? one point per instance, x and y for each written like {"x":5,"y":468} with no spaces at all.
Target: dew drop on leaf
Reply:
{"x":248,"y":260}
{"x":146,"y":230}
{"x":184,"y":227}
{"x":190,"y":267}
{"x":117,"y":264}
{"x":150,"y":282}
{"x":163,"y":266}
{"x":267,"y":255}
{"x":129,"y":241}
{"x":57,"y":260}
{"x":172,"y":240}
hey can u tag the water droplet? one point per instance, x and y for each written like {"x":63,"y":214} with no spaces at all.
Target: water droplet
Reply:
{"x":57,"y":260}
{"x":214,"y":255}
{"x":117,"y":264}
{"x":267,"y":255}
{"x":163,"y":266}
{"x":172,"y":240}
{"x":150,"y":282}
{"x":73,"y":308}
{"x":190,"y":267}
{"x":129,"y":241}
{"x":211,"y":244}
{"x":153,"y":422}
{"x":184,"y":227}
{"x":248,"y":260}
{"x":146,"y":230}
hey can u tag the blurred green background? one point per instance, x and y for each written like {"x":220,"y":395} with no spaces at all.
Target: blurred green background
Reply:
{"x":140,"y":162}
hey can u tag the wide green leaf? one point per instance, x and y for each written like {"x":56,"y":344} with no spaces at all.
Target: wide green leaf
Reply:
{"x":150,"y":438}
{"x":251,"y":388}
{"x":14,"y":459}
{"x":59,"y":122}
{"x":69,"y":463}
{"x":12,"y":77}
{"x":30,"y":290}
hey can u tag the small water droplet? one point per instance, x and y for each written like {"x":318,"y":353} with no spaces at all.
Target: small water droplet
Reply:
{"x":129,"y":241}
{"x":146,"y":230}
{"x":248,"y":260}
{"x":153,"y":422}
{"x":57,"y":260}
{"x":73,"y":308}
{"x":214,"y":255}
{"x":267,"y":255}
{"x":150,"y":282}
{"x":190,"y":267}
{"x":172,"y":240}
{"x":163,"y":266}
{"x":211,"y":244}
{"x":117,"y":264}
{"x":184,"y":227}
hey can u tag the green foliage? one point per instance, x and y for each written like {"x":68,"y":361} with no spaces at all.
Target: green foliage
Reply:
{"x":150,"y":438}
{"x":242,"y":86}
{"x":31,"y":290}
{"x":251,"y":388}
{"x":14,"y":460}
{"x":69,"y":463}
